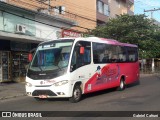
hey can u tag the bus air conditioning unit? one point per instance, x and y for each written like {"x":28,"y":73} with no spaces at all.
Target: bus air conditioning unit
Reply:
{"x":20,"y":28}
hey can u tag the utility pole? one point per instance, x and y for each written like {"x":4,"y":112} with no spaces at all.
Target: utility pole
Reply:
{"x":152,"y":10}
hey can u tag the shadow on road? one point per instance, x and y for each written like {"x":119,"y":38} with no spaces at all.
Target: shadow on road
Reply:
{"x":106,"y":91}
{"x":89,"y":95}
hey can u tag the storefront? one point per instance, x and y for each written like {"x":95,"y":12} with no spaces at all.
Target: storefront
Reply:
{"x":14,"y":60}
{"x":20,"y":31}
{"x":71,"y":33}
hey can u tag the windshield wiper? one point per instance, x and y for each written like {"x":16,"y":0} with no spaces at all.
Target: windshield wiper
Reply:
{"x":59,"y":67}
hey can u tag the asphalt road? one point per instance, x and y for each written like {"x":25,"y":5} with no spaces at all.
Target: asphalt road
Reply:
{"x":143,"y":97}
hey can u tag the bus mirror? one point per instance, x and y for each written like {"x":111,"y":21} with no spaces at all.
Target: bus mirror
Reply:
{"x":81,"y":50}
{"x":30,"y":57}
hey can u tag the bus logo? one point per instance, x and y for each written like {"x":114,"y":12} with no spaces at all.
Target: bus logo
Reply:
{"x":41,"y":82}
{"x":98,"y":72}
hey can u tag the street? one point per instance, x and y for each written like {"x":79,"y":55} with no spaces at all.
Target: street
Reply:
{"x":143,"y":97}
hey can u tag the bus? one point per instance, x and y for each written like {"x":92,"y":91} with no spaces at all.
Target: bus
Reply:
{"x":70,"y":67}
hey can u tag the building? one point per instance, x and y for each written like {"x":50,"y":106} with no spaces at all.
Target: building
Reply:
{"x":118,"y":7}
{"x":92,"y":13}
{"x":87,"y":13}
{"x":25,"y":23}
{"x":20,"y":31}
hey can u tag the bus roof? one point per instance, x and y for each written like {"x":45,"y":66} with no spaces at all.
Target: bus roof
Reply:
{"x":115,"y":42}
{"x":97,"y":39}
{"x":109,"y":41}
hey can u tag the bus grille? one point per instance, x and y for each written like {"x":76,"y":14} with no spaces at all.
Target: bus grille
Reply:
{"x":43,"y":92}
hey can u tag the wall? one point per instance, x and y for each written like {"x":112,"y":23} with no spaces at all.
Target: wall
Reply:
{"x":84,"y":8}
{"x":45,"y":31}
{"x":9,"y":21}
{"x":101,"y":16}
{"x":117,"y":7}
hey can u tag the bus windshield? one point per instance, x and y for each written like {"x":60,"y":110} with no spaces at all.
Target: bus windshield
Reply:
{"x":52,"y":56}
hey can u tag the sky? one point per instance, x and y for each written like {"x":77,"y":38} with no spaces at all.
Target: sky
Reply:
{"x":141,"y":5}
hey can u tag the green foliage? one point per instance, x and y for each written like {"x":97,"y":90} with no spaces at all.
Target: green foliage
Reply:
{"x":136,"y":29}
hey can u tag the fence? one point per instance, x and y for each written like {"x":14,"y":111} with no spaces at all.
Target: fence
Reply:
{"x":149,"y":68}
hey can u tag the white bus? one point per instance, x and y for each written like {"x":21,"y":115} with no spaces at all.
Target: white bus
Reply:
{"x":70,"y":67}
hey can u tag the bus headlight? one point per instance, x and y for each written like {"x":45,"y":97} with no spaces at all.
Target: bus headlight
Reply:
{"x":61,"y":83}
{"x":28,"y":84}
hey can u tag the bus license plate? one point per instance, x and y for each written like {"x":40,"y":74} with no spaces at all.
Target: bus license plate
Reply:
{"x":42,"y":96}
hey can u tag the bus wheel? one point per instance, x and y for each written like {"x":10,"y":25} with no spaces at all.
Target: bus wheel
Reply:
{"x":122,"y":85}
{"x":76,"y":95}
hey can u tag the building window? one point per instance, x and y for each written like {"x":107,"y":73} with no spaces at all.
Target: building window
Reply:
{"x":106,"y":10}
{"x":103,"y":8}
{"x":100,"y":7}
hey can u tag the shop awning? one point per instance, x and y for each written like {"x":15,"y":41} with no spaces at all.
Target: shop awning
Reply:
{"x":20,"y":37}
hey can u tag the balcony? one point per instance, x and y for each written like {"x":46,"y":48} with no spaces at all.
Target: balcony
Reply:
{"x":102,"y":17}
{"x":130,"y":12}
{"x":127,"y":11}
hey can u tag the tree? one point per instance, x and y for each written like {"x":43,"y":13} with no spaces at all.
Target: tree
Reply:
{"x":136,"y":29}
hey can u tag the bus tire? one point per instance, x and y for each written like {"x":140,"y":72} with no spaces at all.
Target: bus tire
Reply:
{"x":76,"y":95}
{"x":121,"y":85}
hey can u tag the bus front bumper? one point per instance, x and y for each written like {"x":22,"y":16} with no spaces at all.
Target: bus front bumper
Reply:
{"x":49,"y":91}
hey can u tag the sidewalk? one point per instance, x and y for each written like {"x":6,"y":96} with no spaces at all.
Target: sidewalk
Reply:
{"x":11,"y":90}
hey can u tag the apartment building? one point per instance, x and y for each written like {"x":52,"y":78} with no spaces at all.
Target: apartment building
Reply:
{"x":21,"y":30}
{"x":118,"y":7}
{"x":25,"y":23}
{"x":87,"y":13}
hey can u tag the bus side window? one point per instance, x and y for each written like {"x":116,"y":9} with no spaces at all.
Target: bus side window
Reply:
{"x":132,"y":54}
{"x":96,"y":59}
{"x":114,"y":58}
{"x":122,"y":57}
{"x":122,"y":54}
{"x":79,"y":59}
{"x":107,"y":56}
{"x":131,"y":58}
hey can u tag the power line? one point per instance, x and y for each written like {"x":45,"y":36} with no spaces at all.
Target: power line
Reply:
{"x":70,"y":4}
{"x":152,"y":10}
{"x":68,"y":12}
{"x":22,"y":2}
{"x":37,"y":5}
{"x":148,"y":5}
{"x":77,"y":6}
{"x":22,"y":16}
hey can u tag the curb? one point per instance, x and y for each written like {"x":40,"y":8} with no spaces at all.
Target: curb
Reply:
{"x":152,"y":74}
